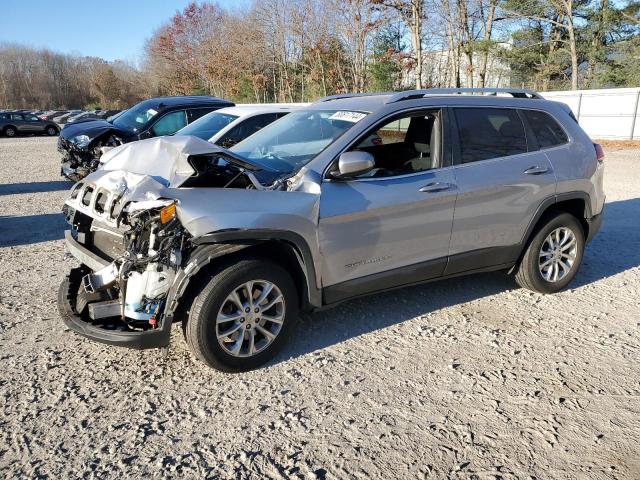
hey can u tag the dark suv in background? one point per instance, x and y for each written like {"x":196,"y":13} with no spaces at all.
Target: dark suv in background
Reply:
{"x":83,"y":144}
{"x":13,"y":123}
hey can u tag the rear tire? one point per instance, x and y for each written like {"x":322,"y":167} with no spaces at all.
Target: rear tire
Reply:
{"x":232,"y":331}
{"x":553,"y":256}
{"x":51,"y":131}
{"x":10,"y":132}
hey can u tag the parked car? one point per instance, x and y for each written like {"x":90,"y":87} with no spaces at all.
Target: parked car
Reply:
{"x":14,"y":123}
{"x":307,"y":213}
{"x":82,"y":116}
{"x":60,"y":120}
{"x":51,"y":114}
{"x":228,"y":126}
{"x":82,"y":145}
{"x":107,"y":113}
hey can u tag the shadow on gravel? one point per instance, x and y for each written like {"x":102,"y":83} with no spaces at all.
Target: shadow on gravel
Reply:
{"x":614,"y":250}
{"x":34,"y":187}
{"x":378,"y":311}
{"x":28,"y":229}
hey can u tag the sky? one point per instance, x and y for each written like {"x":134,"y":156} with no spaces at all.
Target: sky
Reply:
{"x":112,"y":29}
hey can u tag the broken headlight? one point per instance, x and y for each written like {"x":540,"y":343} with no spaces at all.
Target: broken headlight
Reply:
{"x":80,"y":141}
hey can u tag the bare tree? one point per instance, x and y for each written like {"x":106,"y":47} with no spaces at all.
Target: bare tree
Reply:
{"x":560,"y":15}
{"x":412,"y":14}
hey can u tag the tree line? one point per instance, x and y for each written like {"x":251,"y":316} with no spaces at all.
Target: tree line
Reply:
{"x":279,"y":50}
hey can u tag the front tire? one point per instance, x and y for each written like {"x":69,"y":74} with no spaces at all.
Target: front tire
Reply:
{"x":243,"y":315}
{"x":10,"y":132}
{"x":553,"y":256}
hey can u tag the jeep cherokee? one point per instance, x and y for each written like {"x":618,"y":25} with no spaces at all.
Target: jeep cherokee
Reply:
{"x":310,"y":211}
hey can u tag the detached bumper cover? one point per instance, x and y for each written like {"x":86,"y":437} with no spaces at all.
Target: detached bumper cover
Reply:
{"x":68,"y":292}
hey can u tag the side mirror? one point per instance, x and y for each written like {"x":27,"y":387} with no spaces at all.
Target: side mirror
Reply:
{"x":145,"y":134}
{"x":352,"y":164}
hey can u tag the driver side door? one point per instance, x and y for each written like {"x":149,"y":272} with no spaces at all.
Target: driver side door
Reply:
{"x":391,"y":226}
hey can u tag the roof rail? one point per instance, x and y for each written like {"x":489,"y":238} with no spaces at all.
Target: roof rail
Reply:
{"x":413,"y":94}
{"x":346,"y":95}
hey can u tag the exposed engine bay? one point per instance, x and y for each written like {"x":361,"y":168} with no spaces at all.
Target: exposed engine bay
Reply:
{"x":145,"y":249}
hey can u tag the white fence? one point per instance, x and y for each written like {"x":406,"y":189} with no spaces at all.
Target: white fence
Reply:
{"x":608,"y":113}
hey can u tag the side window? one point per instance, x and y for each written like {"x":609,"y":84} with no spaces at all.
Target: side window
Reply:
{"x":247,"y":128}
{"x":31,"y":118}
{"x":407,"y":144}
{"x":545,"y":128}
{"x":170,"y":123}
{"x":394,"y":132}
{"x":16,"y":116}
{"x":486,"y":133}
{"x":196,"y":113}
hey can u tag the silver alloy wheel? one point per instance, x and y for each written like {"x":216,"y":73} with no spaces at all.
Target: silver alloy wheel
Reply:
{"x":558,"y":254}
{"x":250,"y":318}
{"x":51,"y":131}
{"x":10,"y":132}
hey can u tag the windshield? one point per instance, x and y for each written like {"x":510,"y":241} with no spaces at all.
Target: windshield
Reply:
{"x":134,"y":118}
{"x":293,"y":141}
{"x":208,"y":125}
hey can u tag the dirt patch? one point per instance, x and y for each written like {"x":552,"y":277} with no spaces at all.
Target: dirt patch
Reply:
{"x":615,"y":145}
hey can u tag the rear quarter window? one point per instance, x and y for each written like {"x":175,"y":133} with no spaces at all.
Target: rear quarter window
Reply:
{"x":545,"y":128}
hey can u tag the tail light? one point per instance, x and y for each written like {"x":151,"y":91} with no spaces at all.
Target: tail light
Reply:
{"x":599,"y":152}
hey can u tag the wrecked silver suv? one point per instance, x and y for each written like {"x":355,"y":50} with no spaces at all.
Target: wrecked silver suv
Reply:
{"x":350,"y":196}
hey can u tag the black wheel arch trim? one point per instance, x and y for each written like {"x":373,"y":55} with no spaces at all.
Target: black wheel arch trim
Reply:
{"x":544,"y":207}
{"x":549,"y":202}
{"x":218,"y":244}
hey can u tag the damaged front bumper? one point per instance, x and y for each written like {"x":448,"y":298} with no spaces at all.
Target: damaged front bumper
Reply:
{"x":105,"y":329}
{"x":129,"y":252}
{"x":78,"y":162}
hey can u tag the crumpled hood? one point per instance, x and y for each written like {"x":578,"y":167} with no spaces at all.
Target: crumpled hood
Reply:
{"x":165,"y":158}
{"x":92,"y":129}
{"x":200,"y":210}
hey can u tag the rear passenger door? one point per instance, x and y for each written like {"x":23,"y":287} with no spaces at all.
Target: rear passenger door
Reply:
{"x":502,"y":179}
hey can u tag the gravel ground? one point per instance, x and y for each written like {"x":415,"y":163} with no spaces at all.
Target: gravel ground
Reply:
{"x":468,"y":378}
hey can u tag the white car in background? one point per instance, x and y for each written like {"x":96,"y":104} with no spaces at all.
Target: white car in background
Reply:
{"x":228,"y":126}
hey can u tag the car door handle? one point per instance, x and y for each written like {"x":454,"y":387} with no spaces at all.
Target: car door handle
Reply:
{"x":435,"y":187}
{"x":536,"y":170}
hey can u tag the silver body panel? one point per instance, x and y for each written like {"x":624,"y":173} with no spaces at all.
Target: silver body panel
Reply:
{"x":497,"y":201}
{"x":371,"y":225}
